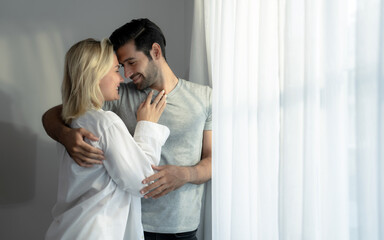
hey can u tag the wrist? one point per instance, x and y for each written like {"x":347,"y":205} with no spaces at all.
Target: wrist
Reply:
{"x":190,"y":174}
{"x":62,"y":133}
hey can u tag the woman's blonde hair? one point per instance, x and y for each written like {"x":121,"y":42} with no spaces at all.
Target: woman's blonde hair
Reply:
{"x":86,"y":63}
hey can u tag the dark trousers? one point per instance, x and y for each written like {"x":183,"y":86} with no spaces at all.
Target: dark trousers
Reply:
{"x":171,"y":236}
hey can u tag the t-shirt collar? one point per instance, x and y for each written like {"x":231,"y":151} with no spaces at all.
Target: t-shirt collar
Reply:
{"x":148,"y":89}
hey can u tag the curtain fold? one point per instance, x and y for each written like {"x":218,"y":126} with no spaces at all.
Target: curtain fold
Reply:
{"x":248,"y":110}
{"x":298,"y":113}
{"x":369,"y":39}
{"x":200,"y":72}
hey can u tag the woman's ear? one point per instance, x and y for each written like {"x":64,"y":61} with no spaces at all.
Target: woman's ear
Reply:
{"x":156,"y":51}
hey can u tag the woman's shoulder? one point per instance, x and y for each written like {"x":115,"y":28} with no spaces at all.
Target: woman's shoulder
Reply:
{"x":97,"y":117}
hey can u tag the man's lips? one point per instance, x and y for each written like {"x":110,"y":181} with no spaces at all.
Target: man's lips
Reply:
{"x":136,"y":77}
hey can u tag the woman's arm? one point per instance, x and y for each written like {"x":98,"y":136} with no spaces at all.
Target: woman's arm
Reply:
{"x":130,"y":159}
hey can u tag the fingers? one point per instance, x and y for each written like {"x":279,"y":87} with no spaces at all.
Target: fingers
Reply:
{"x":154,"y":181}
{"x":141,"y":105}
{"x":85,"y":151}
{"x":88,"y":134}
{"x":84,"y":161}
{"x":162,"y":103}
{"x":158,"y":97}
{"x":158,"y":102}
{"x":158,"y":192}
{"x":149,"y":98}
{"x":148,"y":111}
{"x":158,"y":168}
{"x":84,"y":154}
{"x":156,"y":189}
{"x":155,"y":176}
{"x":152,"y":178}
{"x":80,"y":151}
{"x":151,"y":187}
{"x":161,"y":183}
{"x":80,"y":146}
{"x":91,"y":152}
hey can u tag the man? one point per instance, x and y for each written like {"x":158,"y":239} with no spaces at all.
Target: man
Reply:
{"x":172,"y":201}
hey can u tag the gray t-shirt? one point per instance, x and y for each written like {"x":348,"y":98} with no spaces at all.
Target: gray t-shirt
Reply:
{"x":187,"y":114}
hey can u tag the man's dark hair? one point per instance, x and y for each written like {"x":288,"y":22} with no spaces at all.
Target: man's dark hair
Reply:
{"x":143,"y":32}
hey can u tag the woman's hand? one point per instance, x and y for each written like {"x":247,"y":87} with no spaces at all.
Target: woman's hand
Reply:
{"x":148,"y":111}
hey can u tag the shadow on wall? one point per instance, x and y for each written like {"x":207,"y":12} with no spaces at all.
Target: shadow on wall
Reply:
{"x":18,"y":159}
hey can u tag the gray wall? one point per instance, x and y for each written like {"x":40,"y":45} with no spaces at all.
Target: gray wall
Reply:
{"x":34,"y":36}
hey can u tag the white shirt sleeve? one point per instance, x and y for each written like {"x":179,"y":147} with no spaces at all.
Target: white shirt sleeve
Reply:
{"x":128,"y":160}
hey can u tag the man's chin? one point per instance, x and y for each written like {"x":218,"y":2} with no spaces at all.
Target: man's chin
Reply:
{"x":138,"y":87}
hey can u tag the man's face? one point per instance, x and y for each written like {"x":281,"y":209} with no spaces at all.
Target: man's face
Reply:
{"x":143,"y":72}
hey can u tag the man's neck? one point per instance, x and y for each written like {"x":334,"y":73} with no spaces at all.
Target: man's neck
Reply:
{"x":167,"y":81}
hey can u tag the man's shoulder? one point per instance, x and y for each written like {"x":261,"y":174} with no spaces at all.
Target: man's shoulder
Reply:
{"x":195,"y":87}
{"x":193,"y":84}
{"x":194,"y":93}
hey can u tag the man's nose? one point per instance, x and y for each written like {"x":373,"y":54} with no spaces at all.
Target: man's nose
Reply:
{"x":127,"y":72}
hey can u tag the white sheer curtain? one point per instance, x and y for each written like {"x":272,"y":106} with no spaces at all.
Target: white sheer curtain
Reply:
{"x":298,"y":117}
{"x":199,"y":72}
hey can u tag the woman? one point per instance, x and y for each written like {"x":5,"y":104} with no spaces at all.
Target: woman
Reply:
{"x":103,"y":201}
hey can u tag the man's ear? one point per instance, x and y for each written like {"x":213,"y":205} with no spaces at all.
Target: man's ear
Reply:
{"x":156,"y":51}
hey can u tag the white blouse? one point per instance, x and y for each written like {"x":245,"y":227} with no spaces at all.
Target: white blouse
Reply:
{"x":103,"y":201}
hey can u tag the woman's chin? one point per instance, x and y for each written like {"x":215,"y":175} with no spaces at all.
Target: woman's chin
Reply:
{"x":111,"y":98}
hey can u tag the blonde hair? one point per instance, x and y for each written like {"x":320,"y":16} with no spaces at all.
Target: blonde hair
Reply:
{"x":86,"y":63}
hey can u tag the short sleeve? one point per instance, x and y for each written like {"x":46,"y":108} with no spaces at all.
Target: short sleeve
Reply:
{"x":208,"y":122}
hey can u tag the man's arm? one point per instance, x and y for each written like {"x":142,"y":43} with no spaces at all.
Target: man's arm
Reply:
{"x":73,"y":139}
{"x":171,"y":177}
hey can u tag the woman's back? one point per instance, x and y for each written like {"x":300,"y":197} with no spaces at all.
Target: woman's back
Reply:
{"x":103,"y":201}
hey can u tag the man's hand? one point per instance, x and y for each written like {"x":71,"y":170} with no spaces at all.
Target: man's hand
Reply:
{"x":84,"y":154}
{"x":73,"y":139}
{"x":171,"y":177}
{"x":167,"y":179}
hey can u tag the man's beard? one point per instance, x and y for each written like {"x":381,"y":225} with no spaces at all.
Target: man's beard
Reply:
{"x":151,"y":76}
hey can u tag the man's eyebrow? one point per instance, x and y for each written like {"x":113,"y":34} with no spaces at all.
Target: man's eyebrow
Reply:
{"x":128,"y":59}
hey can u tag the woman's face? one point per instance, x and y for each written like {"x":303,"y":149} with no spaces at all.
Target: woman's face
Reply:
{"x":109,"y":84}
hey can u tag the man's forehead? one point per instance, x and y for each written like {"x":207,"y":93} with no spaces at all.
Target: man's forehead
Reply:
{"x":128,"y":52}
{"x":127,"y":48}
